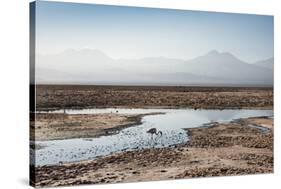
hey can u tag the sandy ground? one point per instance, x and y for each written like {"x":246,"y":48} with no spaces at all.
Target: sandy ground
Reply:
{"x":59,"y":96}
{"x":262,"y":122}
{"x":239,"y":147}
{"x":218,"y":150}
{"x":64,"y":126}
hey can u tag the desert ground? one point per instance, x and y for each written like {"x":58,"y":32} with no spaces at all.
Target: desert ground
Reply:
{"x":63,"y":126}
{"x":242,"y":146}
{"x":75,"y":96}
{"x":217,"y":150}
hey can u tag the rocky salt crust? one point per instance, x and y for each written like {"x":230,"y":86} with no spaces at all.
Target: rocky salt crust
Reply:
{"x":216,"y":150}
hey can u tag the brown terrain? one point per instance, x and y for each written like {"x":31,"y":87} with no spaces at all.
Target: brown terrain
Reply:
{"x":217,"y":150}
{"x":63,"y":126}
{"x":243,"y":146}
{"x":75,"y":96}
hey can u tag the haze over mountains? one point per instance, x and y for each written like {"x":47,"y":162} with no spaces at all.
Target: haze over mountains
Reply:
{"x":95,"y":67}
{"x":267,"y":63}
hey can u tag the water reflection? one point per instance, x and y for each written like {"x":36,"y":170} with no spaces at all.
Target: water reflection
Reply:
{"x":170,"y":123}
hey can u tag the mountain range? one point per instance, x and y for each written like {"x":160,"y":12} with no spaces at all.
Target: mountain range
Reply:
{"x":267,"y":63}
{"x":89,"y":66}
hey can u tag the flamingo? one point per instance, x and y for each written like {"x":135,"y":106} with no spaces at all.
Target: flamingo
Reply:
{"x":153,"y":131}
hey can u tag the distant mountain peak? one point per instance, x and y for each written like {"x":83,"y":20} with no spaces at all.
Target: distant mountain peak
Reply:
{"x":213,"y":52}
{"x":228,"y":54}
{"x":266,"y":63}
{"x":217,"y":53}
{"x":267,"y":59}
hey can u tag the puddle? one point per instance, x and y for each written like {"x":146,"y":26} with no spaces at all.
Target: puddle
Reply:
{"x":170,"y":123}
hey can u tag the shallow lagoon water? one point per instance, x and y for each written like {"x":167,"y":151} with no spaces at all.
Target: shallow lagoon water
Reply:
{"x":171,"y":123}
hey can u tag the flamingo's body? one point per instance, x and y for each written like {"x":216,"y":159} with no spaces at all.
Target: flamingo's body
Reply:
{"x":153,"y":131}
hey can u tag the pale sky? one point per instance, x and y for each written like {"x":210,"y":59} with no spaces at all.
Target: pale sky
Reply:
{"x":130,"y":32}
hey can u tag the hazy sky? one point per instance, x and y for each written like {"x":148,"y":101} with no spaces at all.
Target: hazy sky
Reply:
{"x":129,"y":32}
